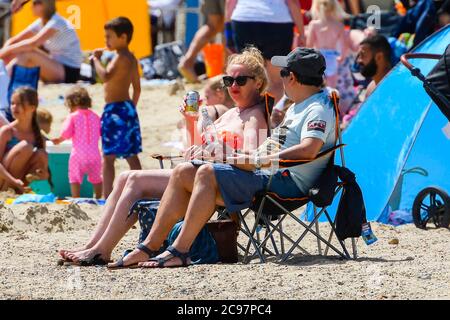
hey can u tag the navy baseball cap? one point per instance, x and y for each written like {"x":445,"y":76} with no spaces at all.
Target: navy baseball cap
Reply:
{"x":303,"y":61}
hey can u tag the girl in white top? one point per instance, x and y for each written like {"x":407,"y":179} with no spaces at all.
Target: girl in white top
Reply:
{"x":61,"y":58}
{"x":269,"y":26}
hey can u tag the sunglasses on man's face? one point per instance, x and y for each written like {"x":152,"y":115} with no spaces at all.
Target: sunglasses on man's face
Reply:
{"x":240,"y":80}
{"x":284,"y":73}
{"x":37,"y":2}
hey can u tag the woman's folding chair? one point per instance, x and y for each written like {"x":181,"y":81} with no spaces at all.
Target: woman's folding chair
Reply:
{"x":271,"y":210}
{"x":21,"y":76}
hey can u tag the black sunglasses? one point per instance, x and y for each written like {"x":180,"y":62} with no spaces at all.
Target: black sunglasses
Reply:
{"x":284,"y":73}
{"x":240,"y":80}
{"x":36,"y":2}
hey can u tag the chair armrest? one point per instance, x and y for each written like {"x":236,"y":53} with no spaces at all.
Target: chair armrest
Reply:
{"x":293,"y":163}
{"x":159,"y":156}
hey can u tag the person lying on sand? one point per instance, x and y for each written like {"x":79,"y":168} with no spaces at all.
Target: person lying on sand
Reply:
{"x":247,"y":120}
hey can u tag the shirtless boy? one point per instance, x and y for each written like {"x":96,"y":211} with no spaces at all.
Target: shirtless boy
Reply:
{"x":121,"y":133}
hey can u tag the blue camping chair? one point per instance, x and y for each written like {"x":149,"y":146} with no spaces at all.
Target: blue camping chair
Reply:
{"x":20,"y":77}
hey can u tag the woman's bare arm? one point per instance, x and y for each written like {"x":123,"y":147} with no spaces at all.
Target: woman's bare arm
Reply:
{"x":27,"y":44}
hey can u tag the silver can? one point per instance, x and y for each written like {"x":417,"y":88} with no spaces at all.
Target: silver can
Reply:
{"x":192,"y":102}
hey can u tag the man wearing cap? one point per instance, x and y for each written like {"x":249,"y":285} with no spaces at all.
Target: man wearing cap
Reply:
{"x":194,"y":189}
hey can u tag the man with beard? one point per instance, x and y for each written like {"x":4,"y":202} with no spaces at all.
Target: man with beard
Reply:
{"x":374,"y":59}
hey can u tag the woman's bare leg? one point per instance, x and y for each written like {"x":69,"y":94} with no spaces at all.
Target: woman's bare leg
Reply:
{"x":172,"y":208}
{"x":205,"y":195}
{"x":16,"y":162}
{"x":106,"y":216}
{"x":137,"y":185}
{"x":51,"y":71}
{"x":38,"y":165}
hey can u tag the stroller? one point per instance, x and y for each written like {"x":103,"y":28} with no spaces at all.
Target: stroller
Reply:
{"x":432,"y":204}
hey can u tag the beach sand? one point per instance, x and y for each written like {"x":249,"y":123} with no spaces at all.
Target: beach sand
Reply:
{"x":415,"y":268}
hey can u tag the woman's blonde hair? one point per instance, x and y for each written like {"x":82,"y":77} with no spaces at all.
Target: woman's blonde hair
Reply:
{"x":216,"y":84}
{"x":322,"y":9}
{"x":252,"y":58}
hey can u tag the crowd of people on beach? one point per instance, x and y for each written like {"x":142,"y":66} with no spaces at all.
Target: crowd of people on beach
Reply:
{"x":298,"y":51}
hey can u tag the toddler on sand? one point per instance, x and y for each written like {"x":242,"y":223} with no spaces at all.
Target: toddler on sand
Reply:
{"x":83,"y":127}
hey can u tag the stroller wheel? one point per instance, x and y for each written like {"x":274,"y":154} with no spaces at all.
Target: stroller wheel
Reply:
{"x":432,"y":204}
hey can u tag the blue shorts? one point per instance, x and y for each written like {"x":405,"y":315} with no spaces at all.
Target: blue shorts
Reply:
{"x":121,"y":133}
{"x":239,"y":187}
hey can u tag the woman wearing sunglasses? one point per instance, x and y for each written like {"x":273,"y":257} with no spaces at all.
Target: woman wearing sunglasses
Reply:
{"x":50,"y":43}
{"x":245,"y":80}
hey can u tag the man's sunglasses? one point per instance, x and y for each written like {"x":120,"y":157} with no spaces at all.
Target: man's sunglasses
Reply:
{"x":284,"y":73}
{"x":37,"y":2}
{"x":240,"y":80}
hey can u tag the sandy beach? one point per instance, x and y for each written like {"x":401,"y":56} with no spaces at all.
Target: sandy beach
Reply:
{"x":415,"y":268}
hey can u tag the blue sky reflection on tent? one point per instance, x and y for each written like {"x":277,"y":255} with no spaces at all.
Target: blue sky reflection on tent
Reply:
{"x":381,"y":135}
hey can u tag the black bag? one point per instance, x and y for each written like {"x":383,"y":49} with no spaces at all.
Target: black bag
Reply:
{"x":351,"y":212}
{"x":322,"y":193}
{"x":439,"y":78}
{"x":164,"y":62}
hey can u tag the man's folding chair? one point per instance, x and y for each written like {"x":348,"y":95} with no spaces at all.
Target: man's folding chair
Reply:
{"x":271,"y":210}
{"x":20,"y":77}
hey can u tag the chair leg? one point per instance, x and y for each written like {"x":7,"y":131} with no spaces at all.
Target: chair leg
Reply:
{"x":281,"y":238}
{"x":355,"y":249}
{"x":308,"y":228}
{"x":252,"y":241}
{"x":319,"y":245}
{"x":334,"y":231}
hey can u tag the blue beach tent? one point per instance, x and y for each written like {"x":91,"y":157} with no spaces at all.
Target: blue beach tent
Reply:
{"x":399,"y":142}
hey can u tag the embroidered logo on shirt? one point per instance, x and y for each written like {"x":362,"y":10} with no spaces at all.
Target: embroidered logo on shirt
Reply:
{"x":318,"y":125}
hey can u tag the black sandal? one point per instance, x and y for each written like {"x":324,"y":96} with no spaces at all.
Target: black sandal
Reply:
{"x":174,"y":253}
{"x":120,"y":263}
{"x":94,"y":261}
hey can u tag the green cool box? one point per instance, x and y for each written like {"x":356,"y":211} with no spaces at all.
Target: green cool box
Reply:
{"x":58,"y":161}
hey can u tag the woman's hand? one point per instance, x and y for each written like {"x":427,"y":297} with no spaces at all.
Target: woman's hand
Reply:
{"x":189,"y":116}
{"x":299,"y":40}
{"x":16,"y":5}
{"x":56,"y":141}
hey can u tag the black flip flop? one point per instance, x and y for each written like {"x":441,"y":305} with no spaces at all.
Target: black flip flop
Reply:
{"x":94,"y":261}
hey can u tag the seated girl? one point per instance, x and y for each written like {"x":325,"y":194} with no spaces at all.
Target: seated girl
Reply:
{"x":22,"y":147}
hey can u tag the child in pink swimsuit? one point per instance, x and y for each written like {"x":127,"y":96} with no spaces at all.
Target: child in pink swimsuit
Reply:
{"x":83,"y":127}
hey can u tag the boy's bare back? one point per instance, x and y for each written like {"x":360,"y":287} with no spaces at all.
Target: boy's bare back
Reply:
{"x":123,"y":72}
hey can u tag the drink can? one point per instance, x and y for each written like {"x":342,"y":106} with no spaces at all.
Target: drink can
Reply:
{"x":192,"y":102}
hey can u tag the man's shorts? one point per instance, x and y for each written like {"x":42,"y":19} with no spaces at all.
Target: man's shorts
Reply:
{"x":239,"y":187}
{"x":213,"y":7}
{"x":121,"y":133}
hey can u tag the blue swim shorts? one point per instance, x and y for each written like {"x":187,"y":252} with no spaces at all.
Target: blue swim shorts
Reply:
{"x":121,"y":133}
